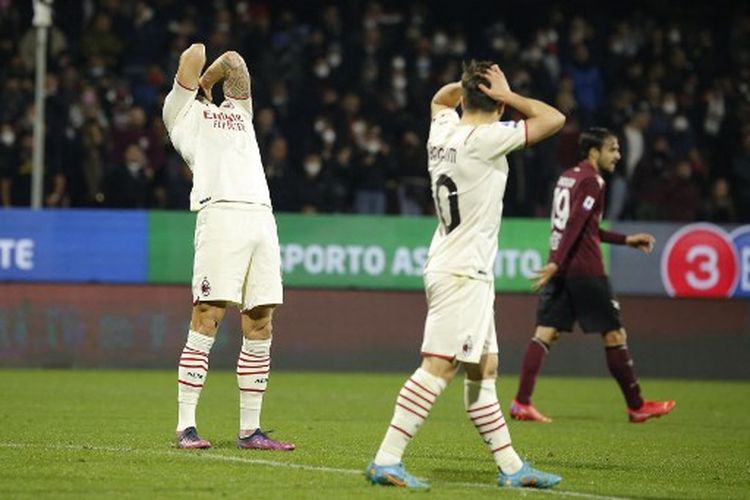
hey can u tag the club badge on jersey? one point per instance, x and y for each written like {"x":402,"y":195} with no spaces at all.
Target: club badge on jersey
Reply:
{"x":205,"y":287}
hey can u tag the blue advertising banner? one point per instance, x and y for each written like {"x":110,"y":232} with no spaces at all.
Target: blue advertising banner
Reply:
{"x":73,"y":246}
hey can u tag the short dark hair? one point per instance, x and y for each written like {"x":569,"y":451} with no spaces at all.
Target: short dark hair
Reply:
{"x":593,"y":137}
{"x":474,"y":98}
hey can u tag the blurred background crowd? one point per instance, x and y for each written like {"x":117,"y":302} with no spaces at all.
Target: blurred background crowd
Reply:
{"x":341,"y":96}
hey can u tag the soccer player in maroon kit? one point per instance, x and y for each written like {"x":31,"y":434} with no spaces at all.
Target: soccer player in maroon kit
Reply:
{"x":574,"y":284}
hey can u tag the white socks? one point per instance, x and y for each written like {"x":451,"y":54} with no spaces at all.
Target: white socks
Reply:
{"x":413,"y":405}
{"x":483,"y":409}
{"x":191,"y":375}
{"x":253,"y":367}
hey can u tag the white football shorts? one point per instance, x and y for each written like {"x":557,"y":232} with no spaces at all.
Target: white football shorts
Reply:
{"x":237,"y":257}
{"x":460,"y":321}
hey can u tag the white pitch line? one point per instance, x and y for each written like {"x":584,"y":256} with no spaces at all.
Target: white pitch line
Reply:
{"x":287,"y":465}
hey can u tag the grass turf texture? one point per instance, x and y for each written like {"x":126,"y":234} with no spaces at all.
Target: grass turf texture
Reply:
{"x":80,"y":434}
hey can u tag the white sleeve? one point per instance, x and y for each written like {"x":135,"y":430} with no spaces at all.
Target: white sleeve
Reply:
{"x":245,"y":104}
{"x":445,"y":117}
{"x":177,"y":104}
{"x":501,"y":138}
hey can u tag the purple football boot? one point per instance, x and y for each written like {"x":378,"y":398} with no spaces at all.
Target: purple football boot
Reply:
{"x":188,"y":439}
{"x":258,"y":440}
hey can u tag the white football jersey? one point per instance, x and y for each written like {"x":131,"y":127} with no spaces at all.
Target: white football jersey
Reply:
{"x":468,"y":172}
{"x":219,"y":145}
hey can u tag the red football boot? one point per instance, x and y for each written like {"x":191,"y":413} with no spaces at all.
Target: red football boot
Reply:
{"x":520,"y":411}
{"x":650,"y":409}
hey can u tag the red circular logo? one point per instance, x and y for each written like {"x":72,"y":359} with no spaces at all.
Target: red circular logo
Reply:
{"x":699,"y":261}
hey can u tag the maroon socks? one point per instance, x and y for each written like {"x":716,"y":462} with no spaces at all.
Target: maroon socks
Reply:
{"x":621,"y":367}
{"x":532,"y":364}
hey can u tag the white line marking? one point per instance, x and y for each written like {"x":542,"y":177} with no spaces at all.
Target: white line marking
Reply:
{"x":288,"y":465}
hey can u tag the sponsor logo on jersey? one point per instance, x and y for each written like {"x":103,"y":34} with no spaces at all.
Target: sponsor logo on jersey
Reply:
{"x":702,"y":260}
{"x":205,"y":287}
{"x":225,"y":121}
{"x":468,"y":345}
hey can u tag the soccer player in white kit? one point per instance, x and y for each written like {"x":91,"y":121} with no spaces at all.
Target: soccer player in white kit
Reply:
{"x":468,"y":171}
{"x":237,"y":258}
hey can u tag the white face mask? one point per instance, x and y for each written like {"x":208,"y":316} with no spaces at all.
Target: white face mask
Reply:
{"x":8,"y":137}
{"x":373,"y":147}
{"x":669,"y":107}
{"x":329,"y":136}
{"x":133,"y":167}
{"x":680,"y":123}
{"x":399,"y":82}
{"x":334,"y":58}
{"x":322,"y":70}
{"x":312,"y":167}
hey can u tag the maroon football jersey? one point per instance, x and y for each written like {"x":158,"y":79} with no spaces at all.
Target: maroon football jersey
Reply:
{"x":577,"y":208}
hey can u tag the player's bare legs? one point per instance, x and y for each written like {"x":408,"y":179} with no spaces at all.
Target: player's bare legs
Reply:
{"x":521,"y":408}
{"x":193,"y":370}
{"x":484,"y":411}
{"x":621,"y":367}
{"x":253,"y":369}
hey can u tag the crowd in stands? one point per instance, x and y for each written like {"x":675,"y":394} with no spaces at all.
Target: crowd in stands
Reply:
{"x":341,"y":97}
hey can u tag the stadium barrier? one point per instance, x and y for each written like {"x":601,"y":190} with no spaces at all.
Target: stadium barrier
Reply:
{"x":109,"y":289}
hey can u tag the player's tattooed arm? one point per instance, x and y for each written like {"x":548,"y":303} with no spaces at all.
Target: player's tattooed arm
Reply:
{"x":230,"y":68}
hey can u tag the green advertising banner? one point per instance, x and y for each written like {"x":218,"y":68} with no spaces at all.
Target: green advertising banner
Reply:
{"x":353,"y":251}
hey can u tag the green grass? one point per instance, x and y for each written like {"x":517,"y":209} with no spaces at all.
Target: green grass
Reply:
{"x":79,"y":434}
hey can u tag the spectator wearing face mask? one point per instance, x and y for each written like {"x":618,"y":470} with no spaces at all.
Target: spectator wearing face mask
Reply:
{"x":720,"y":207}
{"x":372,"y":168}
{"x":129,"y":184}
{"x":9,"y":155}
{"x":314,"y":186}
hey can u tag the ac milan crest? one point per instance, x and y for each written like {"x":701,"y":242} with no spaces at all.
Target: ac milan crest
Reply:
{"x":205,"y":287}
{"x":467,"y":346}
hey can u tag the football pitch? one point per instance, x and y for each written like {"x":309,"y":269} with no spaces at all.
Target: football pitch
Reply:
{"x":96,"y":434}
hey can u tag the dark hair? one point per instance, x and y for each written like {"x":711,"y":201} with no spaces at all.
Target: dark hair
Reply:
{"x":593,"y":137}
{"x":474,"y":98}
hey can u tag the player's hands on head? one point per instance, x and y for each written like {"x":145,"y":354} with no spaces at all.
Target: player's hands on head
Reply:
{"x":499,"y":87}
{"x":543,"y":275}
{"x":206,"y":88}
{"x":641,"y":241}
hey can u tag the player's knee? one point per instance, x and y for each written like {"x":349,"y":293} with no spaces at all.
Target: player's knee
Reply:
{"x":616,"y":337}
{"x":547,"y":335}
{"x":257,"y":324}
{"x":207,"y":317}
{"x":440,"y":367}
